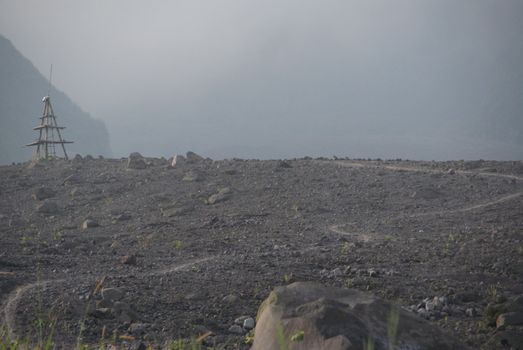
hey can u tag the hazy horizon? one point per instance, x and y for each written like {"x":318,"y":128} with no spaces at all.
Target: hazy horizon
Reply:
{"x":431,"y":79}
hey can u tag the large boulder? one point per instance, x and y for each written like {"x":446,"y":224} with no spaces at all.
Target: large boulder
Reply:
{"x":192,"y":157}
{"x":306,"y":315}
{"x":136,"y":161}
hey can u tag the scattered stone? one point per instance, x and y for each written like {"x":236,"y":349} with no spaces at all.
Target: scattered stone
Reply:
{"x":122,"y":217}
{"x":89,"y":223}
{"x":451,"y":171}
{"x":335,"y":318}
{"x":193,"y":157}
{"x":235,"y":329}
{"x":372,"y":272}
{"x":43,"y":193}
{"x":192,"y":176}
{"x":222,"y":195}
{"x":136,"y":161}
{"x":470,"y":312}
{"x":176,"y":210}
{"x":129,"y":260}
{"x":249,"y":323}
{"x":47,"y":208}
{"x":137,"y":329}
{"x":230,"y":299}
{"x":336,"y":272}
{"x":239,"y":320}
{"x":113,"y":294}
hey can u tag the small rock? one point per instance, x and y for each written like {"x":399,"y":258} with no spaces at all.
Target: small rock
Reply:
{"x":192,"y":176}
{"x":451,"y":172}
{"x":136,"y":161}
{"x":439,"y":302}
{"x":249,"y":323}
{"x":193,"y":157}
{"x":229,"y":299}
{"x":89,"y":223}
{"x":429,"y":305}
{"x":129,"y":260}
{"x":336,"y":272}
{"x":175,"y":211}
{"x":470,"y":312}
{"x":47,"y":208}
{"x":122,"y":217}
{"x":235,"y":329}
{"x":137,"y":328}
{"x":222,"y":195}
{"x":372,"y":273}
{"x":239,"y":320}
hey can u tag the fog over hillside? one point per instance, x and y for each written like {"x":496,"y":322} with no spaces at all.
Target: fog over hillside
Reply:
{"x":429,"y":79}
{"x":21,"y":90}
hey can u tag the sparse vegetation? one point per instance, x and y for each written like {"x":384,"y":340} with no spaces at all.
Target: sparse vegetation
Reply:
{"x":258,"y":238}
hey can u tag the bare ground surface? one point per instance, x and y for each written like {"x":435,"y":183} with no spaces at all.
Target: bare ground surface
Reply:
{"x":424,"y":230}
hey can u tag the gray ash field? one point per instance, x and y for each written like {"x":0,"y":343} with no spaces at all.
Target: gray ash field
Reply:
{"x":195,"y":246}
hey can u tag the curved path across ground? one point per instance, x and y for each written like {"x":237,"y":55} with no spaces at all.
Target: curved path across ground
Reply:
{"x":11,"y":303}
{"x":365,"y":237}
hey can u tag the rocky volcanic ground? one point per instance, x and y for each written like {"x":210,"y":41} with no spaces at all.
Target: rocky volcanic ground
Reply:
{"x":153,"y":253}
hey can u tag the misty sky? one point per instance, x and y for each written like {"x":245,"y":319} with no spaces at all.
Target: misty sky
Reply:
{"x":419,"y":79}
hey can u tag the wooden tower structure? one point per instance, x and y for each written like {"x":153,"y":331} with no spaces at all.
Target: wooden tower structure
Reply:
{"x":49,"y":134}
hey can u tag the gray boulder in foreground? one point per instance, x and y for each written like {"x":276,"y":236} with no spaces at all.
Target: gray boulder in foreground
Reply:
{"x":307,"y":315}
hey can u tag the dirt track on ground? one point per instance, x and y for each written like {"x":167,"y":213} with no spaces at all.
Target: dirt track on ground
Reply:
{"x":282,"y":222}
